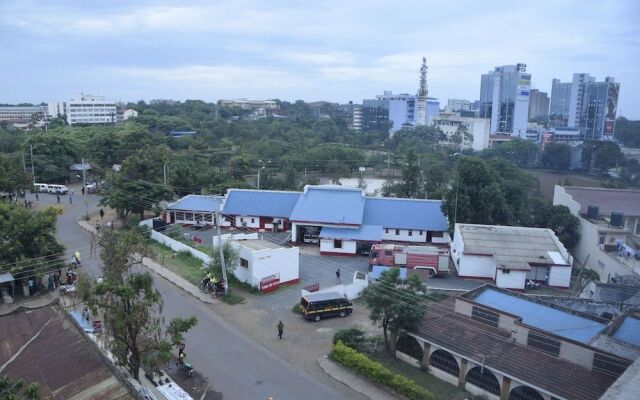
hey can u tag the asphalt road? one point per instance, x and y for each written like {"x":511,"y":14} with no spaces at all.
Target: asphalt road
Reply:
{"x":235,"y":365}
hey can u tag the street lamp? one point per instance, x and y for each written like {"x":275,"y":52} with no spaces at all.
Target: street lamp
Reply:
{"x":260,"y":169}
{"x":164,"y":170}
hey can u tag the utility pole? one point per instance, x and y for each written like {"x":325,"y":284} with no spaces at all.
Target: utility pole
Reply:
{"x":164,"y":170}
{"x":24,"y":166}
{"x":33,"y":174}
{"x":222,"y":263}
{"x":84,"y":188}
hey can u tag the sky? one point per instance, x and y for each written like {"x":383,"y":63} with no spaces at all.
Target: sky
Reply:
{"x":309,"y":50}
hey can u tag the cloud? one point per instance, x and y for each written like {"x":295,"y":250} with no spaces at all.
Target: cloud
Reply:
{"x":319,"y":58}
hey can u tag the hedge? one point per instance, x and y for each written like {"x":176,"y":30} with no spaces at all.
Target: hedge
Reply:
{"x":377,"y":373}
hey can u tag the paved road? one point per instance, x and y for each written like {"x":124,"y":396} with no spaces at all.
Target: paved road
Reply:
{"x":234,"y":364}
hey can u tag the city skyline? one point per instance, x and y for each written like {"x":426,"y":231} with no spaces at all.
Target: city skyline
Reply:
{"x":322,"y":51}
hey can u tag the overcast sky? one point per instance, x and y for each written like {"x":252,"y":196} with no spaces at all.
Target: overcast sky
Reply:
{"x":310,"y":50}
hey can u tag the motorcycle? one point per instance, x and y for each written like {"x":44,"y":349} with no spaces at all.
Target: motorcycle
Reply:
{"x":185,"y":366}
{"x":218,"y":289}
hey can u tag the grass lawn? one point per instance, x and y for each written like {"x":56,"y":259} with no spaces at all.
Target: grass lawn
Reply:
{"x":440,"y":389}
{"x":182,"y":263}
{"x":188,"y":267}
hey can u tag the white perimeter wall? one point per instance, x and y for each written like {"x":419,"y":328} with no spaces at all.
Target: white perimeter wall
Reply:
{"x":559,"y":276}
{"x":348,"y":246}
{"x":511,"y":280}
{"x":477,"y":266}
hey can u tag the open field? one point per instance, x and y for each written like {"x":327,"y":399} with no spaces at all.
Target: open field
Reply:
{"x":548,"y":179}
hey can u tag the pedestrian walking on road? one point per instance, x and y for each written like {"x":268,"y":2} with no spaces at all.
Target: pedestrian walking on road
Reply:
{"x":83,"y":190}
{"x":70,"y":199}
{"x":280,"y":329}
{"x":338,"y":276}
{"x":58,"y":198}
{"x":101,"y":214}
{"x":50,"y":286}
{"x":56,"y":280}
{"x":37,"y":198}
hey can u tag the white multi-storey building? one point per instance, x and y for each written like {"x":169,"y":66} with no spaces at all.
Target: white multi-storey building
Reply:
{"x":454,"y":105}
{"x":87,"y":109}
{"x":22,"y":114}
{"x":452,"y":124}
{"x":504,"y":97}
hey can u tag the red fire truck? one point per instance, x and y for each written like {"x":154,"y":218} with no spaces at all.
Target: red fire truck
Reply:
{"x":431,"y":258}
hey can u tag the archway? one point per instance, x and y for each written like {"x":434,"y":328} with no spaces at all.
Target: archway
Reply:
{"x":484,"y":379}
{"x":525,"y":393}
{"x":444,"y":361}
{"x":409,"y":345}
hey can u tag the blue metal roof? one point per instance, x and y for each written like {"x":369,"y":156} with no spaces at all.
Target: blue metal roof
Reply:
{"x":260,"y":203}
{"x":405,"y":213}
{"x":541,"y":316}
{"x":629,"y":331}
{"x":377,"y":270}
{"x":365,"y":232}
{"x":330,"y":204}
{"x":196,"y":202}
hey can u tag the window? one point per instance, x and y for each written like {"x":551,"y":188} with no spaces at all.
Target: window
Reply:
{"x":485,"y":316}
{"x":601,"y":239}
{"x":244,"y":263}
{"x":421,"y":232}
{"x":207,"y":217}
{"x":506,"y":271}
{"x":410,"y":232}
{"x":253,"y":220}
{"x":388,"y":253}
{"x":409,"y":346}
{"x":188,"y":216}
{"x":337,"y":244}
{"x":444,"y":361}
{"x":610,"y":364}
{"x":179,"y":216}
{"x":484,"y":379}
{"x":241,"y":219}
{"x":544,"y":343}
{"x":397,"y":232}
{"x":386,"y":230}
{"x":437,"y":234}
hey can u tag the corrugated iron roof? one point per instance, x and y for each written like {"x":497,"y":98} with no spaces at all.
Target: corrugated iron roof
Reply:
{"x":195,"y":202}
{"x":330,"y":204}
{"x":364,"y":232}
{"x":260,"y":203}
{"x":405,"y":213}
{"x":59,"y":359}
{"x":607,"y":200}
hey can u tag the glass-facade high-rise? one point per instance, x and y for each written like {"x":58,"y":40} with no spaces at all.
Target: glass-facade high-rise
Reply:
{"x":504,"y":97}
{"x":559,"y":104}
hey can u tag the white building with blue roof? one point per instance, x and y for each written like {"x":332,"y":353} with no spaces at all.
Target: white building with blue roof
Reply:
{"x":341,"y":219}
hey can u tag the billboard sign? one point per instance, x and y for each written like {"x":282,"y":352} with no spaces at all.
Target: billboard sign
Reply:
{"x":523,"y":86}
{"x":612,"y":108}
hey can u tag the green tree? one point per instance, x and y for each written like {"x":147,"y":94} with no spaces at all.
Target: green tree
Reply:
{"x":130,"y":305}
{"x":607,"y":155}
{"x":519,"y":152}
{"x":231,"y":259}
{"x":27,"y":240}
{"x":53,"y":154}
{"x":474,"y":195}
{"x":411,"y":182}
{"x":12,"y":176}
{"x":240,"y":165}
{"x":560,"y":220}
{"x":556,"y":156}
{"x":13,"y":389}
{"x":627,"y":132}
{"x":395,"y":304}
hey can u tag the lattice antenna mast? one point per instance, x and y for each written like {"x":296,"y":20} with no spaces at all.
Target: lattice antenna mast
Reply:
{"x":423,"y":91}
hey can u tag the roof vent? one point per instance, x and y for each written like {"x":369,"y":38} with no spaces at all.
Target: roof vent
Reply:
{"x":617,"y":219}
{"x":593,"y":212}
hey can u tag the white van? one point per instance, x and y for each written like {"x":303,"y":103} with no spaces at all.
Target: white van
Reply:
{"x":57,"y":189}
{"x":50,"y":188}
{"x":40,"y":187}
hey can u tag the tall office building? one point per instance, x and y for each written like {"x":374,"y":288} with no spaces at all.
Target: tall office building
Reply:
{"x":397,"y":111}
{"x":599,"y":109}
{"x":538,"y":105}
{"x":504,"y":97}
{"x":559,"y":104}
{"x":86,"y":109}
{"x":586,"y":105}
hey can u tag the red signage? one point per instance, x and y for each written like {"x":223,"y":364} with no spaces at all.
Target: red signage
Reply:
{"x":270,"y":283}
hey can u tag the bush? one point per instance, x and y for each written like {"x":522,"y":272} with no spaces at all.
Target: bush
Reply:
{"x":375,"y":372}
{"x":351,"y":337}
